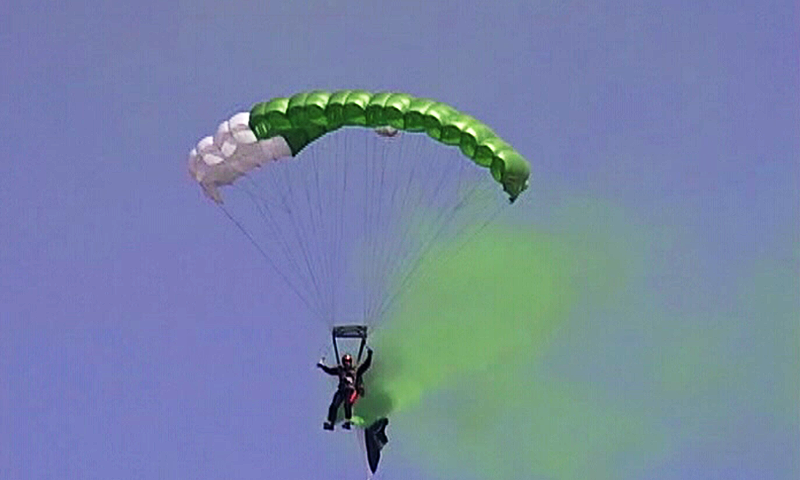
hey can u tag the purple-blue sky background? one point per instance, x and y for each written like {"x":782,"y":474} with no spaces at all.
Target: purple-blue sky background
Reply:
{"x":138,"y":332}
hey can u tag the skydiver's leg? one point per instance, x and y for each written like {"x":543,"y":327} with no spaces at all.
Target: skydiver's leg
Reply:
{"x":338,"y":397}
{"x":348,"y":412}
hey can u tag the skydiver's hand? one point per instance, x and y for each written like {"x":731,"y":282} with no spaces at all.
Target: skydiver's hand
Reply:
{"x":369,"y":350}
{"x":320,"y":365}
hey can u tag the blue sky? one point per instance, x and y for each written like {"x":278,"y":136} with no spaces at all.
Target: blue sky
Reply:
{"x":127,"y":351}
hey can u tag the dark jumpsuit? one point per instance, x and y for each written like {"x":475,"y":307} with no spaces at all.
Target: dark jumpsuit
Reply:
{"x":349,"y":387}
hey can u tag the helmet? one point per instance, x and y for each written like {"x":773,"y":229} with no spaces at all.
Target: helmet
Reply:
{"x":347,"y":360}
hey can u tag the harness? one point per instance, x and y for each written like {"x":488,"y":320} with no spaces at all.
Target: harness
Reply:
{"x":349,"y":380}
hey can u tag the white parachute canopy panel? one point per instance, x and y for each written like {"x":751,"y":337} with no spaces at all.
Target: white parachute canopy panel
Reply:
{"x":232,"y":152}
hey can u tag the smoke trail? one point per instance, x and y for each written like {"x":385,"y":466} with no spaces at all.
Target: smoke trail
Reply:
{"x":600,"y":352}
{"x":501,"y":295}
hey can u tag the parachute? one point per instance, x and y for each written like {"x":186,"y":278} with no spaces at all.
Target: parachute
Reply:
{"x":282,"y":127}
{"x":343,"y":200}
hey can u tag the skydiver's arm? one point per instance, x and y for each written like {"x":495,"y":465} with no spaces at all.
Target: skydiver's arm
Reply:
{"x":328,"y":370}
{"x":365,"y":366}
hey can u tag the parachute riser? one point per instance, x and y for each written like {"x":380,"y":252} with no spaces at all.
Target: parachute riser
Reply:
{"x":349,"y":331}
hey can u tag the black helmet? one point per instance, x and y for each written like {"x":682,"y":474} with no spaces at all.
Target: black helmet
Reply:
{"x":347,"y":360}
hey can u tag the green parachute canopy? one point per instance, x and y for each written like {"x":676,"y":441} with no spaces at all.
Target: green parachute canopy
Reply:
{"x":284,"y":126}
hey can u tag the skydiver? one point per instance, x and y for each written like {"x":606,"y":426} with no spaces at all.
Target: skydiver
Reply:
{"x":350,"y":387}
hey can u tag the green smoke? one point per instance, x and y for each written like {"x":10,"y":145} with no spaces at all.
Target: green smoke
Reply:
{"x":459,"y":363}
{"x":598,"y":351}
{"x":499,"y":297}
